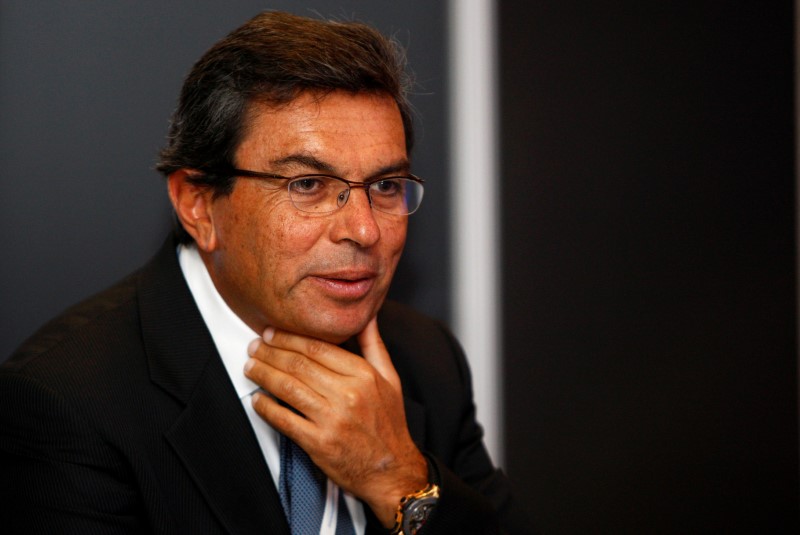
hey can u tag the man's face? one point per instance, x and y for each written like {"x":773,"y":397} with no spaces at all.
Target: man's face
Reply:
{"x":324,"y":275}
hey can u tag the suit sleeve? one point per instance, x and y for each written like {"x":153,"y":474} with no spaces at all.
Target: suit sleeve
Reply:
{"x":57,"y":474}
{"x":476,"y":497}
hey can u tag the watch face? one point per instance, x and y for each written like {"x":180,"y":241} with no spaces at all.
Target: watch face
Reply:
{"x":417,"y":513}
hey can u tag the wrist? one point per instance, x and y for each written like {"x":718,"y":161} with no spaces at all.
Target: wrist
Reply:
{"x":414,"y":510}
{"x":414,"y":477}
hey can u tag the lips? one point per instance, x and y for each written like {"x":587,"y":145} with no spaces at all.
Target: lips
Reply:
{"x":350,"y":285}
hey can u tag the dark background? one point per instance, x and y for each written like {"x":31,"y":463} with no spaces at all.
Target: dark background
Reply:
{"x":648,"y":195}
{"x":650,"y":297}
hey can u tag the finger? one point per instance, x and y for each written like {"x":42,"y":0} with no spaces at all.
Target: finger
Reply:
{"x":375,"y":353}
{"x":282,"y":418}
{"x":328,"y":355}
{"x":314,"y":375}
{"x":285,"y":387}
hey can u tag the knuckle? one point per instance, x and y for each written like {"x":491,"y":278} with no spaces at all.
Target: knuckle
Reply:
{"x":296,"y":364}
{"x":366,"y":374}
{"x":352,"y":397}
{"x":315,"y":348}
{"x":330,"y":446}
{"x":368,"y":381}
{"x":265,"y":353}
{"x":281,"y":420}
{"x":288,"y":387}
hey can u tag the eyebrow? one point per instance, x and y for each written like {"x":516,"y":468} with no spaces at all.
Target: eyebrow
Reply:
{"x":312,"y":162}
{"x":306,"y":160}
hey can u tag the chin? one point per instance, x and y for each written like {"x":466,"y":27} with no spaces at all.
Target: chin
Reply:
{"x":335,"y":327}
{"x":336,"y":335}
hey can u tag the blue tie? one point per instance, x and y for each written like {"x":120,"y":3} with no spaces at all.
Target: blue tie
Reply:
{"x":303,"y":491}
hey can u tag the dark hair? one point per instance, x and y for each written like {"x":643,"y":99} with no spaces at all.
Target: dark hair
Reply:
{"x":272,"y":59}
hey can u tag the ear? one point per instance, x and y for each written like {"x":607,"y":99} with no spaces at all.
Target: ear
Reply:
{"x":193,"y":205}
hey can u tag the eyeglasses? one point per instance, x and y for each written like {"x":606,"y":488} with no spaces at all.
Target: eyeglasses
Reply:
{"x":323,"y":194}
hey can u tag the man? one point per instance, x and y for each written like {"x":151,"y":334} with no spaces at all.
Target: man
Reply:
{"x":250,"y":378}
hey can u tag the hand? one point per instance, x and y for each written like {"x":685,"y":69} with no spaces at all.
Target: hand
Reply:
{"x":353,"y":423}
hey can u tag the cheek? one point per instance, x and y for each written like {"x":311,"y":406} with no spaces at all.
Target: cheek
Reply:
{"x":267,"y":224}
{"x":285,"y":248}
{"x":292,"y":237}
{"x":393,"y":237}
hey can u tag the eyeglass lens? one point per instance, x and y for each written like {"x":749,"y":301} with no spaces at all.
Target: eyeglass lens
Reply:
{"x":322,"y":194}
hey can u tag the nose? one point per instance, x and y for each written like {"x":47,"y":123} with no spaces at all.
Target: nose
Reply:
{"x":355,"y":221}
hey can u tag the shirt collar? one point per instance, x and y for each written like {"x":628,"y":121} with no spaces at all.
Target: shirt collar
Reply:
{"x":230,"y":334}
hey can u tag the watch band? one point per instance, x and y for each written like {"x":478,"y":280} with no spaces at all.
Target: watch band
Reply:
{"x":414,"y":510}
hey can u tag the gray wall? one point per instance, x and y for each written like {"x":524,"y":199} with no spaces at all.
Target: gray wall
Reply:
{"x":86,"y":90}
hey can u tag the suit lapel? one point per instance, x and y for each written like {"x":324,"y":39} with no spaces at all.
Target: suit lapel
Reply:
{"x":212,"y":437}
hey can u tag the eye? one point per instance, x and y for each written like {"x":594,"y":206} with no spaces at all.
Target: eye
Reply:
{"x":307,"y":186}
{"x":387,"y":187}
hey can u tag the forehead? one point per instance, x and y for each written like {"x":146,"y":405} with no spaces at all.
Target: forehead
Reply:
{"x":349,"y":132}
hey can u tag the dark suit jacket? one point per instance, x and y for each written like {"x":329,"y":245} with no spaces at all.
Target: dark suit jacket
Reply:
{"x":119,"y":417}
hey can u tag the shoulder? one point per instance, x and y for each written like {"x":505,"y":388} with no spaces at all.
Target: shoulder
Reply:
{"x":403,"y":323}
{"x":78,"y":327}
{"x":425,"y":353}
{"x":409,"y":331}
{"x":104,"y":325}
{"x":86,"y":352}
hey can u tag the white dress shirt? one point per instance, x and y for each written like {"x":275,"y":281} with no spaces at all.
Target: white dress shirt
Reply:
{"x":231,"y":337}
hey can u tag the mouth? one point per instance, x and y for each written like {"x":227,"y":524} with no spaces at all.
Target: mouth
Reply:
{"x":345,"y":285}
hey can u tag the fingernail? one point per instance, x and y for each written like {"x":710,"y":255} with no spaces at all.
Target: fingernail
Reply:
{"x":253,"y":346}
{"x":254,"y":397}
{"x":249,"y":365}
{"x":269,"y":332}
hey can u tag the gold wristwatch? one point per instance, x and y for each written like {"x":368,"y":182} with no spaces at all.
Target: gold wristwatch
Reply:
{"x":414,"y":510}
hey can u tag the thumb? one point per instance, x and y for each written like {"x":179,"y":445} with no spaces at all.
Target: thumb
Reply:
{"x":375,"y":353}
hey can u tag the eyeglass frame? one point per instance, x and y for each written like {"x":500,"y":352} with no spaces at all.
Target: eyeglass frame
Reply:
{"x":245,"y":173}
